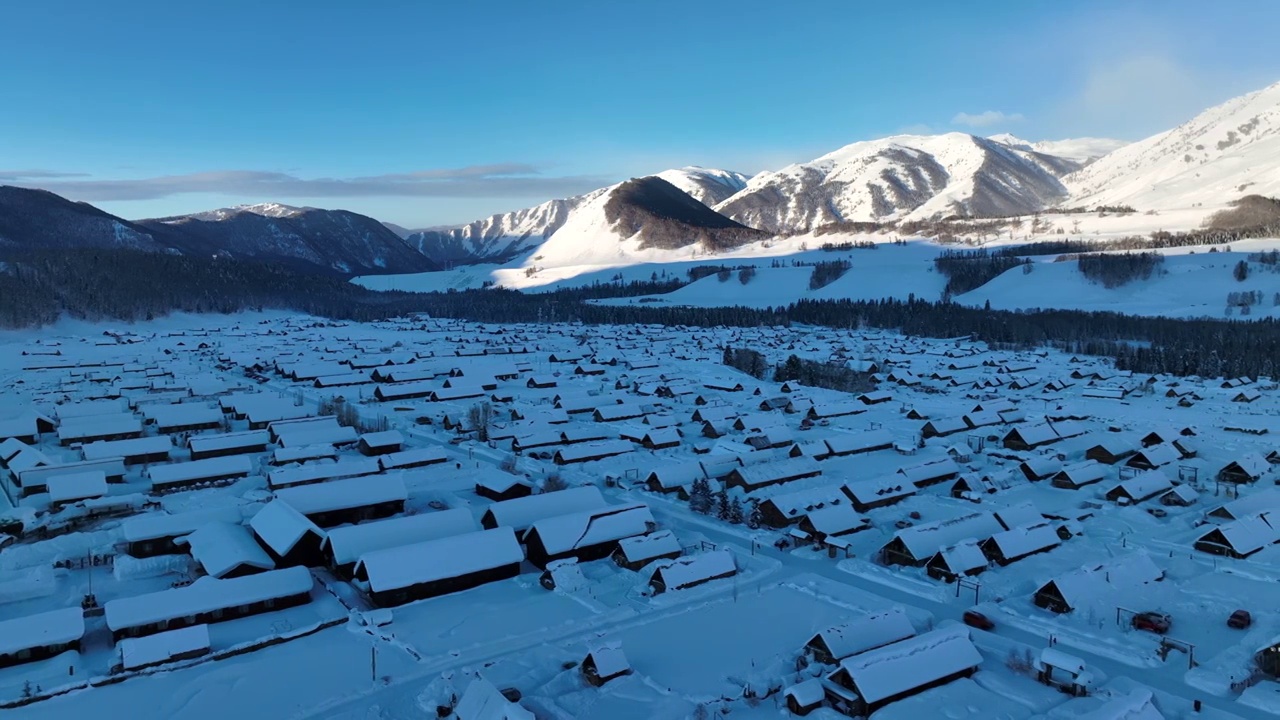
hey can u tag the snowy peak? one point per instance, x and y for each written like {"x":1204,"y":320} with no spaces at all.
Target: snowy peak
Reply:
{"x":1081,"y":150}
{"x":706,"y":185}
{"x":1220,"y":155}
{"x":271,"y":210}
{"x":901,"y":177}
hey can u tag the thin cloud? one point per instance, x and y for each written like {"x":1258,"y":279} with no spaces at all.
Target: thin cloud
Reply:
{"x":15,"y":176}
{"x":479,"y":181}
{"x":985,"y":119}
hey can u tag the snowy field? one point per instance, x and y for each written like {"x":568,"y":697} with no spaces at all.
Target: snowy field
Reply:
{"x":823,"y":510}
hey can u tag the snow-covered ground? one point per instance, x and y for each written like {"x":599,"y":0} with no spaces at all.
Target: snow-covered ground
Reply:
{"x":730,"y":645}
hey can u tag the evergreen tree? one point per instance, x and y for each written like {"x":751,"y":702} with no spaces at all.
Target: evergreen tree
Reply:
{"x":722,"y":505}
{"x":790,"y":370}
{"x":754,"y":517}
{"x":1241,"y":271}
{"x":700,"y":500}
{"x":735,"y":512}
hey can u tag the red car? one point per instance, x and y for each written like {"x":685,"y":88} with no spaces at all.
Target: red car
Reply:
{"x":1155,"y":622}
{"x":1240,"y":620}
{"x":973,"y":618}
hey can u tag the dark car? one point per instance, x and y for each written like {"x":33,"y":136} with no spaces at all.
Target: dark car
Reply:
{"x":973,"y":618}
{"x":1240,"y":620}
{"x":1156,"y":622}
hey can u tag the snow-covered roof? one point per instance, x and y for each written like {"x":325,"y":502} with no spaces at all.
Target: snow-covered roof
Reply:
{"x":196,"y":470}
{"x":303,"y":453}
{"x":563,"y":533}
{"x":610,"y":660}
{"x":1250,"y":504}
{"x":929,"y":470}
{"x":182,"y":415}
{"x":344,"y":494}
{"x":807,"y":693}
{"x":315,"y":472}
{"x":1023,"y":513}
{"x":386,"y":438}
{"x":677,"y":474}
{"x":836,"y":519}
{"x":221,"y":548}
{"x":1052,"y":657}
{"x":1249,"y":533}
{"x":407,"y":565}
{"x":483,"y":701}
{"x":1162,"y":454}
{"x":964,"y":556}
{"x":228,"y":441}
{"x":1085,"y":471}
{"x":647,"y":547}
{"x":766,"y":473}
{"x":206,"y":594}
{"x":867,"y":633}
{"x":693,"y":569}
{"x":1085,"y":584}
{"x":127,"y":448}
{"x":796,"y":503}
{"x":879,"y":489}
{"x":40,"y":475}
{"x":520,"y":513}
{"x":586,"y":450}
{"x":348,"y":542}
{"x":77,"y":486}
{"x":412,"y":456}
{"x":841,"y":443}
{"x":55,"y":627}
{"x":100,"y":426}
{"x":162,"y":647}
{"x":280,"y":526}
{"x":158,"y":525}
{"x":926,"y":539}
{"x":908,"y":664}
{"x":1026,"y":539}
{"x":1145,"y":484}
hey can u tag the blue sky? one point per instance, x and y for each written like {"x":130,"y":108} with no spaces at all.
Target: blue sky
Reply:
{"x":426,"y":113}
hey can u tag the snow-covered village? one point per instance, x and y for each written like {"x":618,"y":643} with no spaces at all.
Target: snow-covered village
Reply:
{"x":657,"y":361}
{"x":425,"y":514}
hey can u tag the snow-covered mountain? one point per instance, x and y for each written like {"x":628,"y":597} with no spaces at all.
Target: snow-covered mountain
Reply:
{"x":499,"y":237}
{"x":642,"y":220}
{"x":1083,"y":150}
{"x":901,"y":177}
{"x":333,"y":241}
{"x":1225,"y":152}
{"x":505,"y":236}
{"x":39,"y":219}
{"x":706,"y":185}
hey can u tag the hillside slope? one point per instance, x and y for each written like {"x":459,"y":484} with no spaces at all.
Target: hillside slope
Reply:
{"x":1225,"y":152}
{"x":335,"y":241}
{"x":38,"y":219}
{"x":507,"y":236}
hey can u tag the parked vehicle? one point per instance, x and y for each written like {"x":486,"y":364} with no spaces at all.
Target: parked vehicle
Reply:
{"x":973,"y":618}
{"x":1151,"y":621}
{"x":1240,"y":620}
